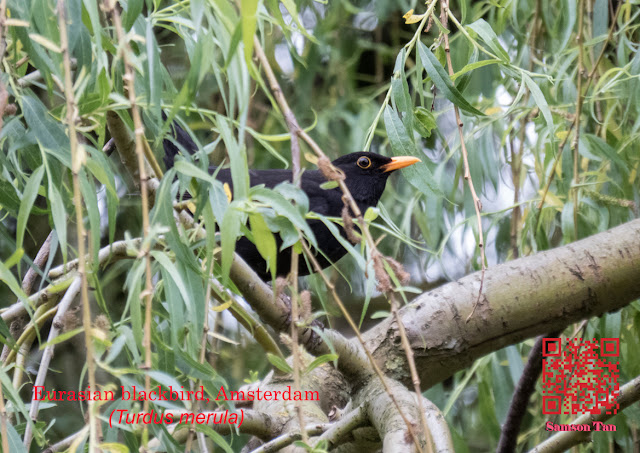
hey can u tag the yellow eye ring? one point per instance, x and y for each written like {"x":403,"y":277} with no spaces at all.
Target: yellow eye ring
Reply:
{"x":364,"y":162}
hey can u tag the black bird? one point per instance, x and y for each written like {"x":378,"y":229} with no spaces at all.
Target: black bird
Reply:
{"x":365,"y":173}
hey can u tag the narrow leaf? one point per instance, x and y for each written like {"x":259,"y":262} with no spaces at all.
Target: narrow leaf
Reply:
{"x":443,"y":82}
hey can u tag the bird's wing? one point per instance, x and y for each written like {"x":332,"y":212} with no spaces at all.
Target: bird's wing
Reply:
{"x":327,"y":202}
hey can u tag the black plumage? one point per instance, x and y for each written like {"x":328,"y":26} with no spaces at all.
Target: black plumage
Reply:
{"x":366,"y":174}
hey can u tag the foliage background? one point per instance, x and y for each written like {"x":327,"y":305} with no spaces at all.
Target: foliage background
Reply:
{"x":531,"y":68}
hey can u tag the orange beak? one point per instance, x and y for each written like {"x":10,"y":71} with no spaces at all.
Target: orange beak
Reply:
{"x":400,"y":162}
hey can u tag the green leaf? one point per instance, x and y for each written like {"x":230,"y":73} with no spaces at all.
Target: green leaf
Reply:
{"x":319,"y":361}
{"x":443,"y":82}
{"x":28,"y":197}
{"x":229,"y":230}
{"x":90,"y":198}
{"x":418,"y":174}
{"x":7,"y":277}
{"x":134,"y":9}
{"x":426,"y":121}
{"x":279,"y":363}
{"x":283,"y":207}
{"x":371,"y":214}
{"x":482,"y":28}
{"x":59,"y":216}
{"x":603,"y":150}
{"x":329,"y":185}
{"x":540,"y":100}
{"x":264,"y":241}
{"x":248,"y":9}
{"x":153,"y":73}
{"x":62,"y":337}
{"x":50,"y":134}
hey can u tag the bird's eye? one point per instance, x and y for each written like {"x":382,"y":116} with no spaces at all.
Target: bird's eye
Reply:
{"x":364,"y":162}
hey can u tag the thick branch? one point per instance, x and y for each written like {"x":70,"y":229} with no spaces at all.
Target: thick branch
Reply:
{"x":521,"y":299}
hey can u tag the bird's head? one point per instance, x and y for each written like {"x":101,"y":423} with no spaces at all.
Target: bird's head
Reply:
{"x":366,"y":174}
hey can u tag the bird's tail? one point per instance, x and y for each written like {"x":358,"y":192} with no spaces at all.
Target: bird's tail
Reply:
{"x":177,"y":140}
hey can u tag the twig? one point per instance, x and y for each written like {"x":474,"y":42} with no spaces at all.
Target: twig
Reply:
{"x":576,"y":138}
{"x":292,"y":125}
{"x":203,"y":348}
{"x":259,"y":424}
{"x":147,"y":293}
{"x":41,"y":297}
{"x":287,"y":439}
{"x":354,"y":419}
{"x":29,"y":281}
{"x":56,"y":327}
{"x":516,"y":157}
{"x":415,"y":379}
{"x":409,"y":47}
{"x":66,"y":442}
{"x":347,"y":197}
{"x":3,"y":41}
{"x":78,"y":158}
{"x":42,"y":313}
{"x":477,"y":204}
{"x":519,"y":403}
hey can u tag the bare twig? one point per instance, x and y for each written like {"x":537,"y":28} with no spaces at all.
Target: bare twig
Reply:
{"x":28,"y":282}
{"x":66,"y":442}
{"x":444,"y":18}
{"x":354,"y":419}
{"x":3,"y":32}
{"x":62,"y":308}
{"x":147,"y":293}
{"x":287,"y":439}
{"x":576,"y":138}
{"x":77,"y":162}
{"x":292,"y":125}
{"x":522,"y":394}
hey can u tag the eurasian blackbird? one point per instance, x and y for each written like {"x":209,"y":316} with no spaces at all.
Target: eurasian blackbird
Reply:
{"x":365,"y":173}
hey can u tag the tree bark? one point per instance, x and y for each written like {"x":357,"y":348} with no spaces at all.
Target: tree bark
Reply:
{"x":520,"y":299}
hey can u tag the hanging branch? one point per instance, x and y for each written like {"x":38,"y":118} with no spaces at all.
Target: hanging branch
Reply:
{"x":576,"y":138}
{"x":292,"y":125}
{"x":147,"y":293}
{"x":477,"y":204}
{"x":78,"y":158}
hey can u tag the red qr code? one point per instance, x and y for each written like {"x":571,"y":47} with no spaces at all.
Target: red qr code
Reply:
{"x":579,"y":376}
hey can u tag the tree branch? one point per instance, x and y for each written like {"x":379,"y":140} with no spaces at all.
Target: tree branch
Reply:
{"x":521,"y":299}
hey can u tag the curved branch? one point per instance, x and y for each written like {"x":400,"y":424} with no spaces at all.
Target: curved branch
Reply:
{"x":287,"y":439}
{"x":255,"y":423}
{"x":343,"y":427}
{"x":438,"y":428}
{"x":56,"y":327}
{"x":521,"y":299}
{"x":385,"y":417}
